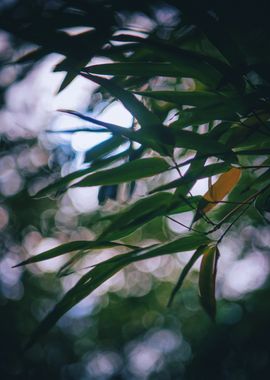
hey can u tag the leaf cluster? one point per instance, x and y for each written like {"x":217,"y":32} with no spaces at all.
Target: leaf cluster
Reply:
{"x":220,"y":127}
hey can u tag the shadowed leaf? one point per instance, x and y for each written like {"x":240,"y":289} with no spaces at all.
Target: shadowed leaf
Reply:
{"x":185,"y":272}
{"x":207,"y":280}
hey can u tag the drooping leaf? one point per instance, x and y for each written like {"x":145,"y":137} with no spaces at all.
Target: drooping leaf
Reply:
{"x":186,"y":270}
{"x":207,"y":280}
{"x":130,"y":171}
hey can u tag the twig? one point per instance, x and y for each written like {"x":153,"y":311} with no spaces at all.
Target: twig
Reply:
{"x":233,"y":222}
{"x":183,"y":225}
{"x":233,"y":211}
{"x":189,"y":192}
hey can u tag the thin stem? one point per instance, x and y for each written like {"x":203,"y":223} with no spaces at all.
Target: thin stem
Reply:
{"x":183,"y":225}
{"x":253,"y":166}
{"x":229,"y":202}
{"x":233,"y":222}
{"x":233,"y":211}
{"x":189,"y":192}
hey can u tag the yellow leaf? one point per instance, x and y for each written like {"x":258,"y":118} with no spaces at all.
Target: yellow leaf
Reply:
{"x":221,"y":187}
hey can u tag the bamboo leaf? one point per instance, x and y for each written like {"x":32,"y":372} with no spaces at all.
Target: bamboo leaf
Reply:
{"x":104,"y":148}
{"x":150,"y":123}
{"x":186,"y":242}
{"x":207,"y":280}
{"x":136,"y":215}
{"x":191,"y":64}
{"x":202,"y":143}
{"x":69,"y":247}
{"x":145,"y":167}
{"x":194,"y":175}
{"x":185,"y":271}
{"x":222,"y":187}
{"x":62,"y":183}
{"x":146,"y":139}
{"x":188,"y":98}
{"x":103,"y":271}
{"x":142,"y":69}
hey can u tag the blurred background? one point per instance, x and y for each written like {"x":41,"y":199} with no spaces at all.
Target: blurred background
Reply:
{"x":124,"y":329}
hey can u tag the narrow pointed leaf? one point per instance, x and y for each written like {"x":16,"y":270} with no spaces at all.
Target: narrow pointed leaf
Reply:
{"x":188,"y":98}
{"x":105,"y":147}
{"x":145,"y":167}
{"x":136,"y":215}
{"x":146,"y":139}
{"x":186,"y":242}
{"x":69,"y":247}
{"x":185,"y":271}
{"x":103,"y":271}
{"x":142,"y":69}
{"x":207,"y":280}
{"x":149,"y":122}
{"x":202,"y":143}
{"x":195,"y":175}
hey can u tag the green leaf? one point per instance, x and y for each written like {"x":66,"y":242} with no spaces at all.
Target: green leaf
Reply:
{"x":69,"y":247}
{"x":148,"y":140}
{"x":130,"y":171}
{"x":188,"y":98}
{"x":136,"y":215}
{"x":185,"y":271}
{"x":203,"y":143}
{"x":207,"y":280}
{"x":62,"y":183}
{"x":191,"y":64}
{"x":194,"y":175}
{"x":104,"y":148}
{"x":229,"y":110}
{"x":137,"y":69}
{"x":189,"y":204}
{"x":186,"y":242}
{"x":150,"y":123}
{"x":103,"y":271}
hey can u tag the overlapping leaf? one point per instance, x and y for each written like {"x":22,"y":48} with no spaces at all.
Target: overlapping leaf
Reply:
{"x":103,"y":271}
{"x":145,"y":167}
